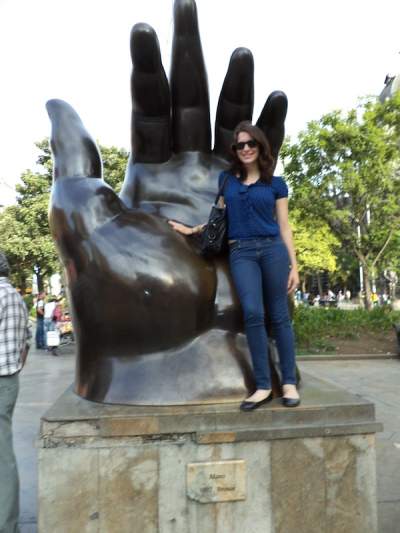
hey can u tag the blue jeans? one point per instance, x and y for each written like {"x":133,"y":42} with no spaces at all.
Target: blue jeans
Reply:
{"x":40,"y":340}
{"x":260,"y":270}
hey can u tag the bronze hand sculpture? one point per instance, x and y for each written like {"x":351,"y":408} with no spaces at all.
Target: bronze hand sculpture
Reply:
{"x":155,"y":322}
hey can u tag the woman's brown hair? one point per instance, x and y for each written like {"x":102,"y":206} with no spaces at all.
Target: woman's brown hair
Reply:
{"x":266,"y":161}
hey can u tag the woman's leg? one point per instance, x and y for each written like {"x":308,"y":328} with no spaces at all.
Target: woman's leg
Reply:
{"x":275,"y":271}
{"x":246,"y":274}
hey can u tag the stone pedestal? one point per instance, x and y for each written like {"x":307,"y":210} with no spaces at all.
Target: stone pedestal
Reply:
{"x":210,"y":468}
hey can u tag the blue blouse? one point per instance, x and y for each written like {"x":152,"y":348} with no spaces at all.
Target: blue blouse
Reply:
{"x":251,"y":208}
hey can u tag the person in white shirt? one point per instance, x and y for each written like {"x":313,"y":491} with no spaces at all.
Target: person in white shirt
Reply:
{"x":331,"y":295}
{"x":48,"y":317}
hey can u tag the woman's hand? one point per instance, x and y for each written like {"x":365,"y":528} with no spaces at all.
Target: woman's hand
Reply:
{"x":181,"y":228}
{"x":293,"y":280}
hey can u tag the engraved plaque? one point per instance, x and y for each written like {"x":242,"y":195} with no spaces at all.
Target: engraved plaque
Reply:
{"x":217,"y":481}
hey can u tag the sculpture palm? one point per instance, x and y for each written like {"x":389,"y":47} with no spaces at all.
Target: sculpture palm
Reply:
{"x":155,"y":322}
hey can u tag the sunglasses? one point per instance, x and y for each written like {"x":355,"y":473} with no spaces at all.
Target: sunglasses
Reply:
{"x":241,"y":146}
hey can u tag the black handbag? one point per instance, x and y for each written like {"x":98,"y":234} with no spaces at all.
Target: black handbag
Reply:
{"x":214,"y":239}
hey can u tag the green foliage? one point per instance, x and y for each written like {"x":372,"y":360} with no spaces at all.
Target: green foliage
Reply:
{"x":314,"y":327}
{"x":114,"y":164}
{"x":24,"y":227}
{"x":315,"y":244}
{"x":28,"y":299}
{"x":344,"y":171}
{"x":31,"y":215}
{"x":15,"y":243}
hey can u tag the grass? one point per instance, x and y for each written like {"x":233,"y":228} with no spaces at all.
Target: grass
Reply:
{"x":315,"y":327}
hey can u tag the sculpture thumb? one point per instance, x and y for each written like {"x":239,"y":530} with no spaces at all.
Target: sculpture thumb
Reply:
{"x":78,"y":193}
{"x":74,"y":151}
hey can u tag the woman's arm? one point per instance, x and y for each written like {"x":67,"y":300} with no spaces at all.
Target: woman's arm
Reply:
{"x":185,"y":230}
{"x":282,"y":215}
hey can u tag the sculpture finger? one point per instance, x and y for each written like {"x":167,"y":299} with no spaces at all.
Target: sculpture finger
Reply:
{"x":272,"y":120}
{"x":75,"y":152}
{"x":189,"y":87}
{"x":236,"y":99}
{"x":151,"y":107}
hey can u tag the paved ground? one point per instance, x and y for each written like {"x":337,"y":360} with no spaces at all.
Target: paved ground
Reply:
{"x":379,"y":382}
{"x":45,"y":378}
{"x":42,"y":381}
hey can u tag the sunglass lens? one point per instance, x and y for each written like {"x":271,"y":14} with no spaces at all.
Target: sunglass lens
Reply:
{"x":251,"y":144}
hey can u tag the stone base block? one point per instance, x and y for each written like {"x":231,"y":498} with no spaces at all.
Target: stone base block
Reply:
{"x":210,"y":468}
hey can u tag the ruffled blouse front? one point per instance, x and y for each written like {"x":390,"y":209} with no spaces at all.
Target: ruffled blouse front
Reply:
{"x":251,"y":208}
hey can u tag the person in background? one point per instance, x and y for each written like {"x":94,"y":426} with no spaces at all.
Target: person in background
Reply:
{"x":316,"y":300}
{"x":48,"y":317}
{"x":40,"y":340}
{"x":330,"y":296}
{"x":306,"y":296}
{"x":57,"y":313}
{"x":374,"y":299}
{"x":14,"y":347}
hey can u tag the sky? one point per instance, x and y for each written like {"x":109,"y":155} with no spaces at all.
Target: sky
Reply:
{"x":324,"y":55}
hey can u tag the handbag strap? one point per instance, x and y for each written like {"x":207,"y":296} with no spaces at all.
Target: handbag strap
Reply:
{"x":221,"y":189}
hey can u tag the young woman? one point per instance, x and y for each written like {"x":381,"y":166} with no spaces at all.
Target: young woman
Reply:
{"x":261,"y":257}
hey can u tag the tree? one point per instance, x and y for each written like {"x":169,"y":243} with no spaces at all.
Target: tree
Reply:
{"x":24,"y":227}
{"x":31,"y":217}
{"x":114,"y":165}
{"x":315,"y":246}
{"x":344,"y":170}
{"x":15,"y":245}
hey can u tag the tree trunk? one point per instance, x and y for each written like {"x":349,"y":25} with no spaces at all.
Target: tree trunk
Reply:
{"x":320,"y":291}
{"x":367,"y":288}
{"x":303,"y":285}
{"x":23,"y":285}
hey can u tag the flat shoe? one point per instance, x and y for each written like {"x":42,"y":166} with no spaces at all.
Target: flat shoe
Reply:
{"x":290,"y":402}
{"x":250,"y":406}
